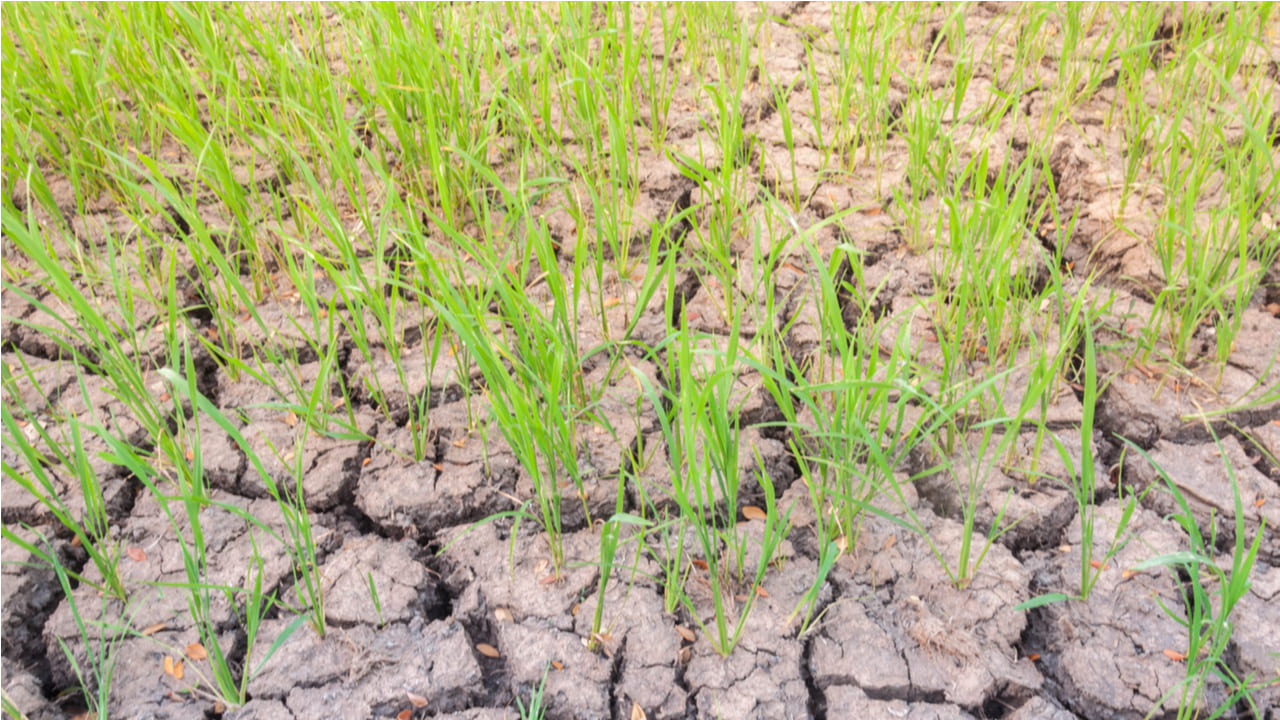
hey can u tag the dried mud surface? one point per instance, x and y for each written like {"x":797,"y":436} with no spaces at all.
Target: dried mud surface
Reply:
{"x":892,"y":636}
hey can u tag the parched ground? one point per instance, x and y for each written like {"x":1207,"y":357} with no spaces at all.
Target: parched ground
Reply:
{"x":465,"y":623}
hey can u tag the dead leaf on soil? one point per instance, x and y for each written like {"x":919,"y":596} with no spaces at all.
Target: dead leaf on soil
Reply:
{"x":503,"y":615}
{"x":700,"y":564}
{"x":637,"y":712}
{"x":404,"y":714}
{"x":541,"y":566}
{"x":487,"y":650}
{"x":1175,"y":656}
{"x":751,"y":512}
{"x":1064,"y":548}
{"x":760,"y":591}
{"x":196,"y":651}
{"x":417,"y":700}
{"x":168,"y":665}
{"x":152,"y":629}
{"x":548,"y":580}
{"x":686,"y":633}
{"x":557,"y":664}
{"x":136,"y":554}
{"x":177,"y":669}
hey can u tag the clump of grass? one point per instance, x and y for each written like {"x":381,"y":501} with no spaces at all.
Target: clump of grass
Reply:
{"x":1207,"y":616}
{"x":702,"y":433}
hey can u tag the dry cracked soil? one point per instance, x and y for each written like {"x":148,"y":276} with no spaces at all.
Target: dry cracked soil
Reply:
{"x":467,"y":622}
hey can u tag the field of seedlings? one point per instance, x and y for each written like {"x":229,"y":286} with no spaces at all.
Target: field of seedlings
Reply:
{"x":641,"y":362}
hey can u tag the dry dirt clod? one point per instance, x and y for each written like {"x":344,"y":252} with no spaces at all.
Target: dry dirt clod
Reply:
{"x":936,"y":635}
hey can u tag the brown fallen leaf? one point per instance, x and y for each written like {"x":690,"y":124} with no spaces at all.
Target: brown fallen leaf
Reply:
{"x":700,"y":564}
{"x":152,"y":629}
{"x":438,"y":466}
{"x":684,"y":654}
{"x":196,"y":651}
{"x":760,"y":591}
{"x":291,"y":419}
{"x":190,"y":455}
{"x":557,"y":664}
{"x":168,"y":665}
{"x":637,"y":712}
{"x":686,"y":633}
{"x":504,"y":615}
{"x":136,"y":553}
{"x":405,"y":714}
{"x":1175,"y":656}
{"x":1064,"y":548}
{"x":219,"y":707}
{"x":177,"y":669}
{"x":548,"y":580}
{"x":751,"y":512}
{"x":1097,"y":565}
{"x":487,"y":650}
{"x":1033,"y":657}
{"x":417,"y":700}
